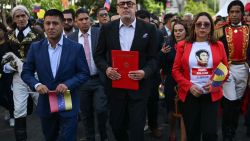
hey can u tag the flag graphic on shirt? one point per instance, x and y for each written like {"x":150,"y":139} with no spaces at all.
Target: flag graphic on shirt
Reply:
{"x":219,"y":75}
{"x":107,"y":4}
{"x":60,"y":102}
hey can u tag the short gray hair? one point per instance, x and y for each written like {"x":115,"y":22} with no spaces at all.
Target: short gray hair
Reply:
{"x":20,"y":7}
{"x":190,"y":15}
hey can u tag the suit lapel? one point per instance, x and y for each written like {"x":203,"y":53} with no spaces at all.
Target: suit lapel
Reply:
{"x":63,"y":58}
{"x":93,"y":40}
{"x":46,"y":58}
{"x":116,"y":36}
{"x":138,"y":33}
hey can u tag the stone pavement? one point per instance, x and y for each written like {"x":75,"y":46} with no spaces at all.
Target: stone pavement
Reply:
{"x":35,"y":133}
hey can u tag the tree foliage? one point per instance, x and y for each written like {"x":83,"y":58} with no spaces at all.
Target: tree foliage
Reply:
{"x":45,"y":4}
{"x":197,"y":7}
{"x":152,"y":6}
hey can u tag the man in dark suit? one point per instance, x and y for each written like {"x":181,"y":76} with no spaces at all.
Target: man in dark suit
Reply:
{"x":127,"y":107}
{"x":92,"y":92}
{"x":60,"y":65}
{"x":166,"y":30}
{"x":102,"y":16}
{"x":152,"y":106}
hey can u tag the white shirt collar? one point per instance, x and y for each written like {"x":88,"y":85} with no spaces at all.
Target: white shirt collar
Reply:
{"x":80,"y":32}
{"x":25,"y":31}
{"x":239,"y":24}
{"x":59,"y":44}
{"x":132,"y":24}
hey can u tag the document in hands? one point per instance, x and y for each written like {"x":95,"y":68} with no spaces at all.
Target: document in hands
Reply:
{"x":125,"y":61}
{"x":59,"y":101}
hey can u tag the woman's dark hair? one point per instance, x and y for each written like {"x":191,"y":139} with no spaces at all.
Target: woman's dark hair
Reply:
{"x":3,"y":27}
{"x":184,"y":24}
{"x":192,"y":36}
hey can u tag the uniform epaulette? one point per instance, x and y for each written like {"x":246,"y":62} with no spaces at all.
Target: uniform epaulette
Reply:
{"x":218,"y":30}
{"x":220,"y":25}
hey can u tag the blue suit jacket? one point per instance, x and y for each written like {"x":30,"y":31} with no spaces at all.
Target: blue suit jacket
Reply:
{"x":72,"y":71}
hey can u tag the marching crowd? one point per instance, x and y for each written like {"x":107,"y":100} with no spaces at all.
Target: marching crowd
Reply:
{"x":68,"y":51}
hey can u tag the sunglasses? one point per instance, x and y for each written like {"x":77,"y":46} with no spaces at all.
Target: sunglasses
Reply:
{"x":103,"y":14}
{"x":202,"y":24}
{"x":129,"y":4}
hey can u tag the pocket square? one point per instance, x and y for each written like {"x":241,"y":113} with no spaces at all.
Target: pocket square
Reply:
{"x":145,"y":35}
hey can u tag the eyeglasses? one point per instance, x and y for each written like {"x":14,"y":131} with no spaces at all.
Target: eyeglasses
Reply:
{"x":103,"y":14}
{"x":202,"y":24}
{"x":129,"y":4}
{"x":69,"y":20}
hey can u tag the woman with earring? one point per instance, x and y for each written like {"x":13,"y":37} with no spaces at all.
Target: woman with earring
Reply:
{"x":199,"y":105}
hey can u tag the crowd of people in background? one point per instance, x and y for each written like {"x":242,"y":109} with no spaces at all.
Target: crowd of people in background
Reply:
{"x":68,"y":50}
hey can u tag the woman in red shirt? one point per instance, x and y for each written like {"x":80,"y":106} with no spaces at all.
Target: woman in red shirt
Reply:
{"x":196,"y":59}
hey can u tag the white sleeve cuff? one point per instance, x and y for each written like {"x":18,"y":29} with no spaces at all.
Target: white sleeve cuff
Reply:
{"x":37,"y":85}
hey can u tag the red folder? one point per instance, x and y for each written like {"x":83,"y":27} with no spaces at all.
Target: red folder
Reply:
{"x":125,"y":61}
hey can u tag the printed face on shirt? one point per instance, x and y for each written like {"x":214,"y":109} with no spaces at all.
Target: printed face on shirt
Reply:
{"x":21,"y":19}
{"x":235,"y":14}
{"x":53,"y":27}
{"x":126,"y":9}
{"x":202,"y":57}
{"x":83,"y":22}
{"x":179,"y":32}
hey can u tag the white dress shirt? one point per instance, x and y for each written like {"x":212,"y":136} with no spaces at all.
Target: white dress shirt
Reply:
{"x":126,"y":35}
{"x":93,"y":69}
{"x":55,"y":56}
{"x":167,"y":30}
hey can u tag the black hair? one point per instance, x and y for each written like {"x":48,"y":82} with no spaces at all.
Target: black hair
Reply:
{"x":100,"y":9}
{"x":142,"y":14}
{"x":54,"y":12}
{"x":3,"y":27}
{"x":198,"y":53}
{"x":70,"y":11}
{"x":236,"y":3}
{"x":168,"y":17}
{"x":81,"y":10}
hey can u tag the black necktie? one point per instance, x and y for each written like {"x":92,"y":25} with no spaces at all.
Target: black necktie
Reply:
{"x":20,"y":36}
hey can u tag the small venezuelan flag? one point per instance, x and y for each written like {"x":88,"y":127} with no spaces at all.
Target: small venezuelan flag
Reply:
{"x":60,"y":102}
{"x":218,"y":77}
{"x":107,"y":4}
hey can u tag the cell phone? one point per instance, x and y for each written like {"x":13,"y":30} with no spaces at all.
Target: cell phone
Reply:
{"x":167,"y":41}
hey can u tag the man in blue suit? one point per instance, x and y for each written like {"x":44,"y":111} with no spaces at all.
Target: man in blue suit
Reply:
{"x":60,"y":65}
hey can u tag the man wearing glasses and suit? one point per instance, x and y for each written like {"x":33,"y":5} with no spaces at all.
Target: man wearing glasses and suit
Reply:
{"x":127,"y":107}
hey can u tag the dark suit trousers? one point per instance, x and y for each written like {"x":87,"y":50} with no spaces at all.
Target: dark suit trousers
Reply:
{"x":127,"y":118}
{"x":94,"y":99}
{"x":152,"y":105}
{"x":200,"y":118}
{"x":57,"y":128}
{"x":230,"y":117}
